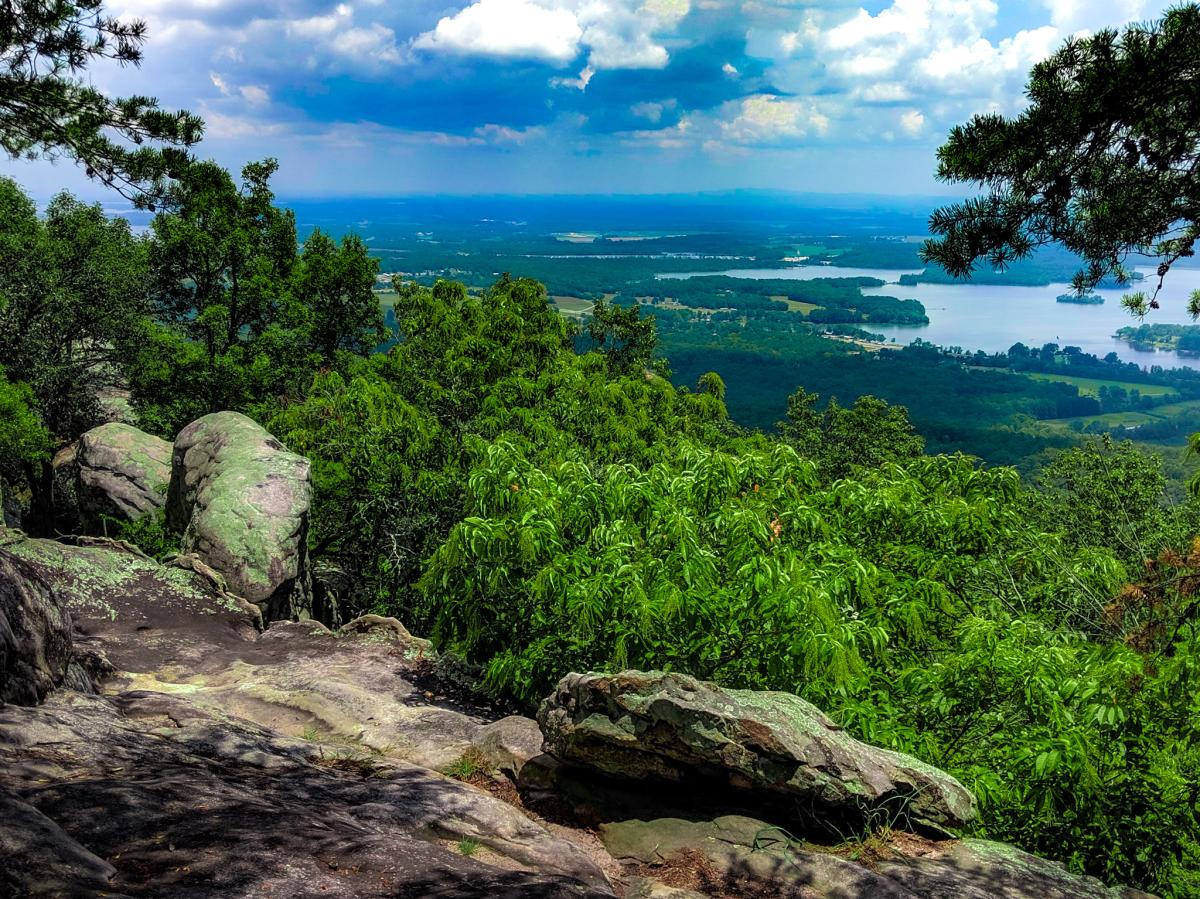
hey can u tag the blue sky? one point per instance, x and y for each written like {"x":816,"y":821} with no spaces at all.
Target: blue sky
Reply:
{"x":391,"y":97}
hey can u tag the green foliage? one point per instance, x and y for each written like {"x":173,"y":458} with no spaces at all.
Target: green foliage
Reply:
{"x":72,"y":302}
{"x":1101,"y":160}
{"x":48,"y":109}
{"x":626,"y":339}
{"x":867,"y":435}
{"x":242,"y":318}
{"x":1111,"y":495}
{"x":920,"y":603}
{"x":149,"y":533}
{"x":23,"y":437}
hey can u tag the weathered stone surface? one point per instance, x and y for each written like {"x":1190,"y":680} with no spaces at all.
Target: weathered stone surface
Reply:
{"x":122,"y":472}
{"x":242,"y":502}
{"x":35,"y":634}
{"x":979,"y":869}
{"x":64,"y":489}
{"x":40,"y":860}
{"x":225,"y":761}
{"x":744,"y":856}
{"x":188,"y":807}
{"x":674,"y":728}
{"x":739,"y":855}
{"x":509,"y":743}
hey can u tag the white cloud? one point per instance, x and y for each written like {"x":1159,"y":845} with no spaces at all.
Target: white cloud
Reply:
{"x":652,"y":111}
{"x":939,"y":60}
{"x":579,"y":84}
{"x":375,"y":44}
{"x":502,"y":134}
{"x":766,"y":118}
{"x":617,"y":34}
{"x":1071,"y":16}
{"x":912,"y":122}
{"x":254,"y":94}
{"x":514,"y":28}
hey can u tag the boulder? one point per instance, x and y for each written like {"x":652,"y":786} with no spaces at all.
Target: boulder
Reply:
{"x":981,"y":869}
{"x":509,"y":743}
{"x":35,"y":634}
{"x":736,"y":855}
{"x":242,"y":502}
{"x":772,"y":748}
{"x":121,"y":472}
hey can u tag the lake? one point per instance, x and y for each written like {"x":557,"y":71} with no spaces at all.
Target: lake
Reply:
{"x":993,"y":317}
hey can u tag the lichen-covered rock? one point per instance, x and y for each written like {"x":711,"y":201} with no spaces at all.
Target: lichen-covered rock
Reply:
{"x":242,"y":501}
{"x":509,"y":743}
{"x":122,"y":473}
{"x":981,"y":869}
{"x":655,"y":725}
{"x":35,"y":634}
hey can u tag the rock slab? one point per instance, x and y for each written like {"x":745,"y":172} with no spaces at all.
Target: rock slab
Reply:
{"x":122,"y":473}
{"x":242,"y":501}
{"x":35,"y":635}
{"x":766,"y":745}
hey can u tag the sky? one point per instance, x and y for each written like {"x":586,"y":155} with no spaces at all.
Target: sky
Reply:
{"x":396,"y":97}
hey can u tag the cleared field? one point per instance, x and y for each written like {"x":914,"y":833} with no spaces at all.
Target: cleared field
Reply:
{"x":797,"y":305}
{"x":1091,"y":386}
{"x":572,"y":305}
{"x":1173,"y":409}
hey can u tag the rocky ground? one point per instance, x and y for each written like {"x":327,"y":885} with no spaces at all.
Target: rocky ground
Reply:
{"x":218,"y":759}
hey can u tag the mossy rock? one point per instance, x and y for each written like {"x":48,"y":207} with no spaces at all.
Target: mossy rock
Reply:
{"x":242,"y":501}
{"x":772,"y":748}
{"x":122,"y":473}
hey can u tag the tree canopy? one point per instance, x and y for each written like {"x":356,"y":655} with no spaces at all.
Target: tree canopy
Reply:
{"x":47,"y":109}
{"x":1103,"y":160}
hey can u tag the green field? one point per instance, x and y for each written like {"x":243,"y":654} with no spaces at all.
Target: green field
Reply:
{"x":1091,"y":386}
{"x":575,"y":306}
{"x":798,"y":305}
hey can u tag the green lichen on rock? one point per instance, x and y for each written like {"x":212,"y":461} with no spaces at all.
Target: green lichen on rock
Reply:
{"x":122,"y":473}
{"x":242,"y":502}
{"x":673,"y":727}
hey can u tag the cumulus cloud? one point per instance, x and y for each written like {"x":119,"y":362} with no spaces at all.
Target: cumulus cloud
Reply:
{"x":616,"y":34}
{"x":513,"y":28}
{"x":768,"y":119}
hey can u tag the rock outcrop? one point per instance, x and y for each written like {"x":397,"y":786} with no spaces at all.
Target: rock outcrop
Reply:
{"x":674,"y":728}
{"x":121,"y":472}
{"x":242,"y":503}
{"x":35,"y":634}
{"x":508,"y":744}
{"x":733,"y":854}
{"x":232,"y":761}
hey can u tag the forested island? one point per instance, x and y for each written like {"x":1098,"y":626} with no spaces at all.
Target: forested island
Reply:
{"x":514,"y":572}
{"x":1181,"y":338}
{"x":1081,"y":299}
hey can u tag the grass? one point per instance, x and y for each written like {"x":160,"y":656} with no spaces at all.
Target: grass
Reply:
{"x":467,"y":765}
{"x":572,"y":305}
{"x":468,"y":847}
{"x":798,"y":305}
{"x":1091,"y":386}
{"x":1184,"y":408}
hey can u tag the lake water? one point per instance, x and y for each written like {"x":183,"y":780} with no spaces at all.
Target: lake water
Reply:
{"x":993,"y":317}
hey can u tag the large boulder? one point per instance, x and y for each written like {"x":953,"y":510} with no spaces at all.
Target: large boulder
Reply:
{"x":121,"y":472}
{"x":35,"y":634}
{"x":242,"y":502}
{"x":773,"y":747}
